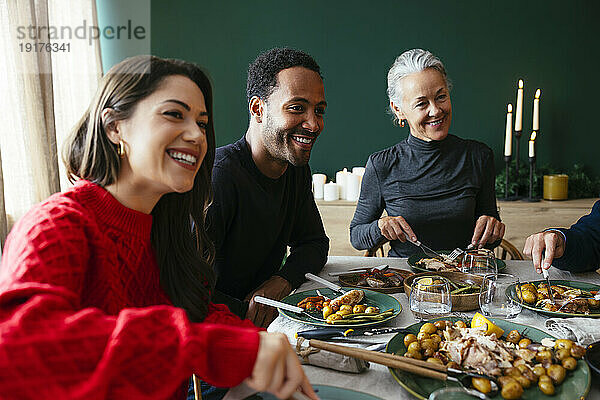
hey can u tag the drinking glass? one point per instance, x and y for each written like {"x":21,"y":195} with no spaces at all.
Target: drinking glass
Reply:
{"x":430,"y":298}
{"x":456,"y":393}
{"x":479,"y":262}
{"x":495,"y":297}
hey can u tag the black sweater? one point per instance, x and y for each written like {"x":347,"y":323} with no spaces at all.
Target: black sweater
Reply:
{"x":439,"y":187}
{"x":252,"y":221}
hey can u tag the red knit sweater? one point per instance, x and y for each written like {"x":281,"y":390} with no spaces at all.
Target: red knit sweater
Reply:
{"x":83,"y":316}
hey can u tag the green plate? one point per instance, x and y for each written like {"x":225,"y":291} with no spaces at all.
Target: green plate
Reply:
{"x":381,"y":300}
{"x":576,"y":385}
{"x":415,"y":258}
{"x":574,"y":284}
{"x":326,"y":393}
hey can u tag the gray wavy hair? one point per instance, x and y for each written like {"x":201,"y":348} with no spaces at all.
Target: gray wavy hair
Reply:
{"x":410,"y":62}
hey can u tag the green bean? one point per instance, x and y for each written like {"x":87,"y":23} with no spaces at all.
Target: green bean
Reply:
{"x":465,"y":289}
{"x":352,"y":321}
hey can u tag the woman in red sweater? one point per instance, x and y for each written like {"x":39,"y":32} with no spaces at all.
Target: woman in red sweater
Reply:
{"x":104,"y":291}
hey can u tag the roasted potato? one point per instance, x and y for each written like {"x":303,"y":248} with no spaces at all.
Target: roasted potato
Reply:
{"x":512,"y":390}
{"x":359,"y":308}
{"x":513,"y":336}
{"x":523,"y":343}
{"x":546,"y":386}
{"x":440,"y":325}
{"x":557,"y":373}
{"x":570,"y":363}
{"x":481,"y":384}
{"x":428,"y":328}
{"x":577,"y":351}
{"x":408,"y":339}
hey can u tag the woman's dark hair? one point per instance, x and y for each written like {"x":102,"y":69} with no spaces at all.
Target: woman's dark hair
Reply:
{"x":184,"y":259}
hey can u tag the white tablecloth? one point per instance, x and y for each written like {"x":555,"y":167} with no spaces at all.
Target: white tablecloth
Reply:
{"x":377,"y":380}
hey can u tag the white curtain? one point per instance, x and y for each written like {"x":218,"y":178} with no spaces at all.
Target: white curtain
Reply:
{"x":42,"y":95}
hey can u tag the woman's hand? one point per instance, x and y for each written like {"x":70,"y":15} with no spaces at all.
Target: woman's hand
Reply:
{"x":396,"y":228}
{"x":277,"y":369}
{"x":487,"y":230}
{"x":547,"y":244}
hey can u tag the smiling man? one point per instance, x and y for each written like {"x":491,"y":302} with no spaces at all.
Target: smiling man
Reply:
{"x":263,"y":202}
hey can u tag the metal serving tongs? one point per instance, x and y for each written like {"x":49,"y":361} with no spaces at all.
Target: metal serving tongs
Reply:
{"x":547,"y":277}
{"x":418,"y":367}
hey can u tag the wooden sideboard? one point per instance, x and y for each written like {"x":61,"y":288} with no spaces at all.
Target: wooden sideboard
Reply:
{"x":521,"y":219}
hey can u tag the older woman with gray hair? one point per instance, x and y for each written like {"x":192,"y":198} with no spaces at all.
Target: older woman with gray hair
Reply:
{"x":435,"y":187}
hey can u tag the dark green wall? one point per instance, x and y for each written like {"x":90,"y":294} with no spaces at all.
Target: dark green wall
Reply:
{"x":486,"y":47}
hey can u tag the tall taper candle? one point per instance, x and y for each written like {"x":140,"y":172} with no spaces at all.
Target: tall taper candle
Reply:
{"x":508,"y":135}
{"x":536,"y":110}
{"x":519,"y":110}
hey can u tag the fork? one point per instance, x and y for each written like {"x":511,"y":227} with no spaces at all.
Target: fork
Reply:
{"x":457,"y":252}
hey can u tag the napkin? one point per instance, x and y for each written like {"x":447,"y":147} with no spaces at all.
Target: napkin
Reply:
{"x":582,"y":330}
{"x":326,"y":359}
{"x":320,"y":358}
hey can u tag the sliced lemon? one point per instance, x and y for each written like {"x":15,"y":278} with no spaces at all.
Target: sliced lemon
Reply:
{"x":426,"y":281}
{"x":479,"y":320}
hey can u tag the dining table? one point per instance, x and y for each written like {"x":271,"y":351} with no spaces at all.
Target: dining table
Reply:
{"x":377,"y":380}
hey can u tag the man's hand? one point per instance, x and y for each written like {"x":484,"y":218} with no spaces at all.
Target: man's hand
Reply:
{"x":275,"y":288}
{"x":396,"y":228}
{"x":487,"y":230}
{"x":551,"y":243}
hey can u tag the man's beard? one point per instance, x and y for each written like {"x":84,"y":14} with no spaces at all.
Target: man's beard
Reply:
{"x":280,"y":146}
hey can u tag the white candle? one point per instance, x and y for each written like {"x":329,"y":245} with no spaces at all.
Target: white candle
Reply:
{"x":340,"y":180}
{"x":508,"y":135}
{"x":360,"y":171}
{"x":330,"y":192}
{"x":353,"y":187}
{"x":318,"y":183}
{"x":536,"y":110}
{"x":532,"y":144}
{"x":519,"y":111}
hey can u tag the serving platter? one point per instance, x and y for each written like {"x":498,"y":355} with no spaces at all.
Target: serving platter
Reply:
{"x":325,"y":392}
{"x":352,"y":278}
{"x":382,"y":300}
{"x":460,"y":302}
{"x":511,"y":292}
{"x":415,"y":258}
{"x":575,"y":386}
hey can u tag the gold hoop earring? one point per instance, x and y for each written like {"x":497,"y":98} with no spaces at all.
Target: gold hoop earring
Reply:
{"x":402,"y":123}
{"x":121,"y":149}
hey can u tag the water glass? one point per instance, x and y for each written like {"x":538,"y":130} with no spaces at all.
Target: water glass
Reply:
{"x":479,"y":262}
{"x":456,"y":393}
{"x":430,"y":298}
{"x":495,"y":297}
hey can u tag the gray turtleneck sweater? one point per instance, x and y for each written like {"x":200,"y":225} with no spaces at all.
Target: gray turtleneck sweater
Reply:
{"x":439,"y":187}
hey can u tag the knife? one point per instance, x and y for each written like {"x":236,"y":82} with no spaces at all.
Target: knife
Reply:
{"x":284,"y":306}
{"x":357,"y":270}
{"x":329,"y":333}
{"x":325,"y":282}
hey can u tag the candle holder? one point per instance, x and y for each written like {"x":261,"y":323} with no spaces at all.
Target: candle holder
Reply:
{"x":507,"y":197}
{"x":531,"y":175}
{"x":517,"y":140}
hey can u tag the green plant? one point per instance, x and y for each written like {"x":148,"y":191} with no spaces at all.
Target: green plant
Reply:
{"x":581,"y":183}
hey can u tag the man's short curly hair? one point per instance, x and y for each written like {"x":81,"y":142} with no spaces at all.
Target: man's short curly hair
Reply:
{"x":262,"y":73}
